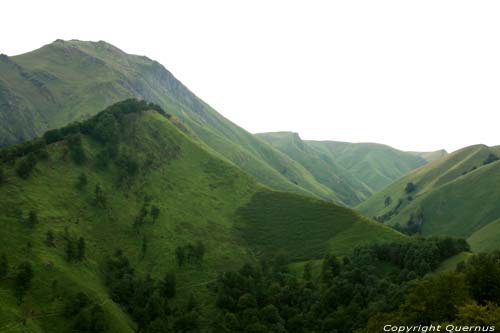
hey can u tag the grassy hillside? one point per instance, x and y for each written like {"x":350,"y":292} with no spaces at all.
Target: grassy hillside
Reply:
{"x":302,"y":229}
{"x":431,"y":155}
{"x":133,"y":159}
{"x":487,"y":238}
{"x":456,"y":195}
{"x":352,"y":170}
{"x":196,"y":192}
{"x":73,"y":80}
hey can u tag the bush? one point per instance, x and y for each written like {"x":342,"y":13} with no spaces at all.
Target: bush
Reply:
{"x":26,"y":166}
{"x":410,"y":187}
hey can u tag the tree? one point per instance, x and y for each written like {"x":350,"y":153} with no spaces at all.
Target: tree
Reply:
{"x":23,"y":278}
{"x":168,"y":285}
{"x":483,"y":277}
{"x":100,"y":198}
{"x":70,"y":250}
{"x":155,"y":212}
{"x":49,"y":238}
{"x":387,"y":201}
{"x":144,"y":247}
{"x":410,"y":187}
{"x":76,"y":152}
{"x":307,"y":275}
{"x":2,"y":176}
{"x":180,"y":255}
{"x":26,"y":166}
{"x":4,"y":266}
{"x":330,"y":269}
{"x":80,"y":250}
{"x":81,"y":183}
{"x":435,"y":299}
{"x":32,"y":218}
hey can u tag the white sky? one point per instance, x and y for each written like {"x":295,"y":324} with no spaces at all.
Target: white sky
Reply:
{"x":417,"y":75}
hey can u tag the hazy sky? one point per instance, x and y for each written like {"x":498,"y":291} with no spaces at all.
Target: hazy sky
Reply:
{"x":418,"y":75}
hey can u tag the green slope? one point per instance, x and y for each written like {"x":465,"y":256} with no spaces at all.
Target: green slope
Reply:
{"x":201,"y":198}
{"x":352,"y":170}
{"x":302,"y":229}
{"x":456,"y":195}
{"x":72,"y":80}
{"x":487,"y":238}
{"x":431,"y":155}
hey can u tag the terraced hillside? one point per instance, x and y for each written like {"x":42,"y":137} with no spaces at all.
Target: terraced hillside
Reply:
{"x":132,"y":178}
{"x":456,"y":195}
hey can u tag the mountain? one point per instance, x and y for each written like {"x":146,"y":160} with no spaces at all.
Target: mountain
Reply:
{"x":353,"y":170}
{"x":456,"y":195}
{"x":72,"y":80}
{"x":431,"y":155}
{"x":134,"y":178}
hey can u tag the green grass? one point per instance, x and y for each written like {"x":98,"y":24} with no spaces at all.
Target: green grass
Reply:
{"x":486,"y":239}
{"x":277,"y":222}
{"x":353,"y":171}
{"x":455,"y":200}
{"x":450,"y":264}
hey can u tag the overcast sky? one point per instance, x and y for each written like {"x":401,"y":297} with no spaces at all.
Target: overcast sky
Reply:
{"x":417,"y":75}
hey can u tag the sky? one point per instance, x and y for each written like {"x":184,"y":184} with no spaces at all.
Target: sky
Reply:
{"x":417,"y":75}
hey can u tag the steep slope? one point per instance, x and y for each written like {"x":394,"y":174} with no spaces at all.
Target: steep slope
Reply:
{"x":353,"y":170}
{"x":101,"y":180}
{"x":456,"y":195}
{"x":72,"y":80}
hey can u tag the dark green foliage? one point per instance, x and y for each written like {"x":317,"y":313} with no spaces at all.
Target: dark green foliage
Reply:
{"x":410,"y":188}
{"x":168,"y":285}
{"x":23,"y":149}
{"x":50,"y":238}
{"x":390,"y":214}
{"x":2,"y":176}
{"x":307,"y":274}
{"x":25,"y":166}
{"x":32,"y":219}
{"x":144,"y":246}
{"x":414,"y":224}
{"x":76,"y":152}
{"x":330,"y":268}
{"x":4,"y":266}
{"x":100,"y":197}
{"x":490,"y":159}
{"x":81,"y":182}
{"x":52,"y":136}
{"x":190,"y":253}
{"x":387,"y":201}
{"x":483,"y":276}
{"x":92,"y":320}
{"x":267,"y":298}
{"x":146,"y":300}
{"x":75,"y":304}
{"x":155,"y":212}
{"x":80,"y":249}
{"x":24,"y":275}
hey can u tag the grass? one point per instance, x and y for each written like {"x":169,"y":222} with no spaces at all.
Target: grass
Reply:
{"x":450,"y":264}
{"x":486,"y":238}
{"x":276,"y":222}
{"x":457,"y":194}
